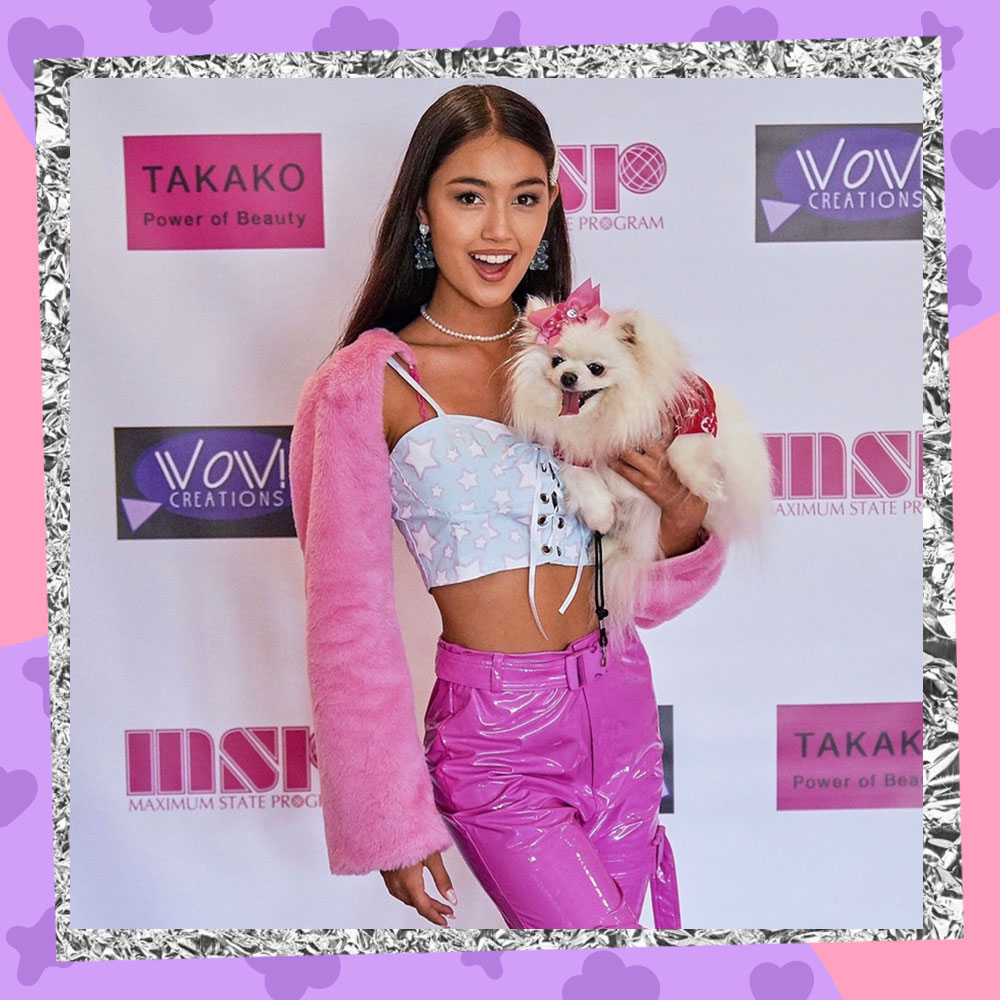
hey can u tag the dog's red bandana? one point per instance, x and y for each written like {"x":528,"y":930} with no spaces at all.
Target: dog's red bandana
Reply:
{"x":694,"y":411}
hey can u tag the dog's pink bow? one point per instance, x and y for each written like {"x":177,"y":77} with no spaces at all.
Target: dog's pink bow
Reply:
{"x":583,"y":304}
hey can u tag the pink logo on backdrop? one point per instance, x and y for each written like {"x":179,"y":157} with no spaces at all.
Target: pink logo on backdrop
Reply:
{"x":595,"y":175}
{"x":817,"y":473}
{"x":223,"y":192}
{"x":852,"y":756}
{"x":251,"y":767}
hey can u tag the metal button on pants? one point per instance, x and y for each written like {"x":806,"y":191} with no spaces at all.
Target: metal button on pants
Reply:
{"x":547,"y":768}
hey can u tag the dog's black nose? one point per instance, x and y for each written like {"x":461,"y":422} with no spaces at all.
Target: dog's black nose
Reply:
{"x":568,"y":379}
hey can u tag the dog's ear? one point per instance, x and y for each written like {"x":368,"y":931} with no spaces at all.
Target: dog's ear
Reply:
{"x":625,"y":325}
{"x":526,"y":332}
{"x":534,"y":302}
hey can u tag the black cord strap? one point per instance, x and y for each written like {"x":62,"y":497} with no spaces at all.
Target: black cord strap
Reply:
{"x":602,"y":611}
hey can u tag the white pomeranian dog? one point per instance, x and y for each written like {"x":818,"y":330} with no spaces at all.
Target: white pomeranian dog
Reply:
{"x":589,"y":385}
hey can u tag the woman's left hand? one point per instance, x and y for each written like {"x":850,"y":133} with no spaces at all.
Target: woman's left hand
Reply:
{"x":681,"y":511}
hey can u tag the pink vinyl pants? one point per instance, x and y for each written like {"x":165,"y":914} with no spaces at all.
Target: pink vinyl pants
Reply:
{"x":548,"y":770}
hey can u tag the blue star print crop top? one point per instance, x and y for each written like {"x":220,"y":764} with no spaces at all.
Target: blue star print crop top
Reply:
{"x":471,"y":498}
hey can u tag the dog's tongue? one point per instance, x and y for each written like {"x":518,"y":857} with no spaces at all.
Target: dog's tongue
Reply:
{"x":571,"y":403}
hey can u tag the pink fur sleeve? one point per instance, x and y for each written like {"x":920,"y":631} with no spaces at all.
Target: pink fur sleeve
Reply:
{"x":672,"y":585}
{"x":375,"y":789}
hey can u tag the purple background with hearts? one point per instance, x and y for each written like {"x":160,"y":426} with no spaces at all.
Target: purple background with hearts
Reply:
{"x":41,"y":28}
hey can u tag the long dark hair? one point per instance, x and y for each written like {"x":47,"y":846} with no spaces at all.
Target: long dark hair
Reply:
{"x":394,"y":289}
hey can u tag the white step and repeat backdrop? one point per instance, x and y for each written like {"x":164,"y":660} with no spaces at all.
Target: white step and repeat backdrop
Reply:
{"x":787,"y":259}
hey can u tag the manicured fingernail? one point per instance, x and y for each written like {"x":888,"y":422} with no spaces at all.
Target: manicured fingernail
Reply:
{"x":451,"y":897}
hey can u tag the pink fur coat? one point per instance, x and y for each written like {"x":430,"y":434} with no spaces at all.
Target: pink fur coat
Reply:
{"x":375,"y":790}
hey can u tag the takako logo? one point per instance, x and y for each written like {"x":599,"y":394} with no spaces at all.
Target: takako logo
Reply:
{"x":229,"y":191}
{"x":599,"y":184}
{"x":247,"y":768}
{"x":203,"y":482}
{"x":850,"y":756}
{"x":817,"y":474}
{"x":839,"y":182}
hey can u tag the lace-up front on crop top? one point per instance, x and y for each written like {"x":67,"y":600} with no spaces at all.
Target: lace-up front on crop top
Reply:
{"x":472,"y":498}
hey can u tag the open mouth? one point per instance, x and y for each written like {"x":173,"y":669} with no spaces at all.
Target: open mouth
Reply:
{"x":493,"y":267}
{"x":572,"y":401}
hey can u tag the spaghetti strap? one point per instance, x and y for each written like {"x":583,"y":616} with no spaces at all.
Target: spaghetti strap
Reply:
{"x":393,"y":363}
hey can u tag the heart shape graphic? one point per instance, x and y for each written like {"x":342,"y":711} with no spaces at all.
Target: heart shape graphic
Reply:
{"x":793,"y":981}
{"x":977,"y":155}
{"x":29,"y":39}
{"x":17,"y":791}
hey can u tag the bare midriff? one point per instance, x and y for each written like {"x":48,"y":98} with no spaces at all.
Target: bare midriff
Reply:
{"x":492,"y":612}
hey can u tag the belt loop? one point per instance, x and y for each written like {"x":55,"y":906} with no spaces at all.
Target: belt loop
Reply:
{"x":600,"y":665}
{"x":588,"y":664}
{"x":573,"y":678}
{"x":496,"y":680}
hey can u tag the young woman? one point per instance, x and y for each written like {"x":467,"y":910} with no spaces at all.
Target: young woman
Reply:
{"x":541,"y":755}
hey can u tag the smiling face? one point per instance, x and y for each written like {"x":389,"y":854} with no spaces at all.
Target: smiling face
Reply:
{"x":487,"y":206}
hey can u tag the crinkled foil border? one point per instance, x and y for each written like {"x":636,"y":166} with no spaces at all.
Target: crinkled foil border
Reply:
{"x":860,"y":57}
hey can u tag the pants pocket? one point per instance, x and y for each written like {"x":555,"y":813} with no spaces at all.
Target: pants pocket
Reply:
{"x":440,"y":708}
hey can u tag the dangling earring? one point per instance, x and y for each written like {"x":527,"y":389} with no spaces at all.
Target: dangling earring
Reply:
{"x":540,"y":262}
{"x":422,"y":251}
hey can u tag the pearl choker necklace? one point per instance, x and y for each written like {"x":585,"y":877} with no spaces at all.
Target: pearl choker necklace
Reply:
{"x":471,"y":336}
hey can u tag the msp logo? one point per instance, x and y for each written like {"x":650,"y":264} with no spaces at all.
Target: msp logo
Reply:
{"x":839,"y":182}
{"x":815,"y":474}
{"x":251,"y":768}
{"x":217,"y":482}
{"x":594,"y":177}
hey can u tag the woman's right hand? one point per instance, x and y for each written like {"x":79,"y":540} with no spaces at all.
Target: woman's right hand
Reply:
{"x":407,"y":884}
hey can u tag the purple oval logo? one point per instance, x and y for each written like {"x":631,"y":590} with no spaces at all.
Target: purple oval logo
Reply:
{"x":216,"y":474}
{"x":855,"y":174}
